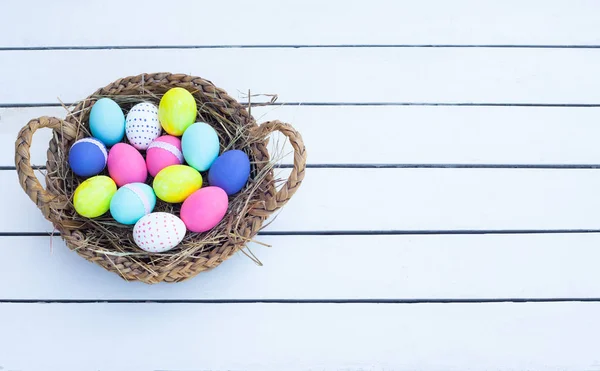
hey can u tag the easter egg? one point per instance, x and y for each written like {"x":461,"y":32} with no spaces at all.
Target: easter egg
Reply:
{"x":200,"y":146}
{"x":176,"y":182}
{"x":92,"y":197}
{"x":126,"y":165}
{"x":230,"y":171}
{"x":177,"y":110}
{"x":204,"y":209}
{"x":88,"y":157}
{"x":131,"y":202}
{"x":142,"y":126}
{"x":164,"y":151}
{"x":158,"y":232}
{"x":107,"y":121}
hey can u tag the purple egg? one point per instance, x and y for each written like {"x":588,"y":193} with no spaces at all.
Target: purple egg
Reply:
{"x":230,"y":171}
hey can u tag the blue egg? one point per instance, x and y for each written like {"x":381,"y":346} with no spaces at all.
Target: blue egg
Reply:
{"x":132,"y":202}
{"x":107,"y":121}
{"x":87,"y":157}
{"x":200,"y":146}
{"x":230,"y":171}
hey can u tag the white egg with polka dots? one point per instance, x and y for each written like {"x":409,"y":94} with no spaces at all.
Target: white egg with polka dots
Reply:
{"x":142,"y":125}
{"x":158,"y":232}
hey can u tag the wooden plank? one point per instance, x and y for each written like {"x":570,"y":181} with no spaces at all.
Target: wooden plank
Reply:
{"x":406,"y":199}
{"x":401,"y":135}
{"x":323,"y":74}
{"x":269,"y":22}
{"x":65,"y":337}
{"x":330,"y":267}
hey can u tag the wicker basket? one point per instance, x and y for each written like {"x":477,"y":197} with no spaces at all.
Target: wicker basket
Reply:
{"x":202,"y":251}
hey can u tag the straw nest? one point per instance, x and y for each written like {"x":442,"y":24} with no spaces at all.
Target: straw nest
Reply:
{"x":110,"y":244}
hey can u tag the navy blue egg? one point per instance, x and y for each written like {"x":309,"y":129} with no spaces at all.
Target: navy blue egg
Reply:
{"x":230,"y":171}
{"x":87,"y":157}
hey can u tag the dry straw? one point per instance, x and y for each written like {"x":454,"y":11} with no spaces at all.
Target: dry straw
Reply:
{"x":110,"y":244}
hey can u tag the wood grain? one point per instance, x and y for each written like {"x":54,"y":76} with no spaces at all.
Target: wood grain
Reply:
{"x":558,"y":76}
{"x":401,"y":135}
{"x":300,"y":337}
{"x":312,"y":22}
{"x":405,"y":199}
{"x":531,"y":65}
{"x":474,"y":267}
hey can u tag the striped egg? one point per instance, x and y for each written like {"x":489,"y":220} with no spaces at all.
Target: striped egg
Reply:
{"x":164,"y":151}
{"x":132,"y":202}
{"x":158,"y":232}
{"x":142,"y":125}
{"x":87,"y":157}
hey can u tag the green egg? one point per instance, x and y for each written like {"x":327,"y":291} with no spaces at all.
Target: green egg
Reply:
{"x":92,"y":197}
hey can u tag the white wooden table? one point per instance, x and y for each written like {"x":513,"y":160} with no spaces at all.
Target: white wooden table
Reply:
{"x":450,"y":216}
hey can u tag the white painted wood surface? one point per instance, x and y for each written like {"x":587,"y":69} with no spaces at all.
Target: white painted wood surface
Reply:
{"x":305,"y":268}
{"x":408,"y":199}
{"x":411,"y":135}
{"x":313,"y":22}
{"x":342,"y":301}
{"x":472,"y":75}
{"x":301,"y":336}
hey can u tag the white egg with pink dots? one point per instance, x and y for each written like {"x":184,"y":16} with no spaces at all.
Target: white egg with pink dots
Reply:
{"x":158,"y":232}
{"x":142,"y":125}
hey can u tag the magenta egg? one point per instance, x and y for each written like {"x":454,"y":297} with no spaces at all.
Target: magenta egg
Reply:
{"x":163,"y":151}
{"x":126,"y":165}
{"x":204,"y":209}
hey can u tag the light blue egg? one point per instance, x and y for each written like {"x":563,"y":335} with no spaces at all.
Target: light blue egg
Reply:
{"x":107,"y":121}
{"x":200,"y":146}
{"x":132,"y":202}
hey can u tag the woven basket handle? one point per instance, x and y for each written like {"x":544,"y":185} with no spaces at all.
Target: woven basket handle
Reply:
{"x":31,"y":185}
{"x":295,"y":179}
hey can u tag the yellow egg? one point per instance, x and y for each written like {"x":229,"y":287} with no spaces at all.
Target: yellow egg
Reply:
{"x":176,"y":182}
{"x":176,"y":111}
{"x":92,"y":197}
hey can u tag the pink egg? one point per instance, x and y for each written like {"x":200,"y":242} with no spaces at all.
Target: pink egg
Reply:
{"x":163,"y":151}
{"x":204,"y":209}
{"x":126,"y":165}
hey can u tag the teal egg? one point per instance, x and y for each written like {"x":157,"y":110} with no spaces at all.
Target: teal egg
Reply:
{"x":107,"y":121}
{"x":132,"y":202}
{"x":200,"y":146}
